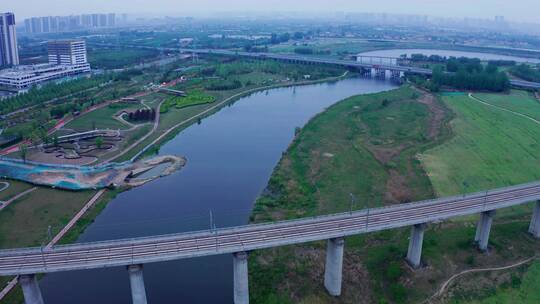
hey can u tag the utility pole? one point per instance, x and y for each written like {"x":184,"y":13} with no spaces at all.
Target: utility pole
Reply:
{"x":353,"y":201}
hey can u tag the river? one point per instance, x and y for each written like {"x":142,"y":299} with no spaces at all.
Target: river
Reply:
{"x":231,"y":155}
{"x":448,"y":53}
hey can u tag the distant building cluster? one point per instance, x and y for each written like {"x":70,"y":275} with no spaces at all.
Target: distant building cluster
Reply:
{"x":66,"y":58}
{"x":53,"y":24}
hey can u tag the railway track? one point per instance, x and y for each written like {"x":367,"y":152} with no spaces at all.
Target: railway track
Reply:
{"x":251,"y":237}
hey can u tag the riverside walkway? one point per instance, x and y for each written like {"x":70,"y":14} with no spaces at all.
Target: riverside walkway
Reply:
{"x":240,"y":240}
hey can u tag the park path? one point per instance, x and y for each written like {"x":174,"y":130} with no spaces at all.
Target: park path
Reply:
{"x":16,"y":197}
{"x":503,"y":109}
{"x":58,"y":237}
{"x":445,"y":285}
{"x":62,"y":122}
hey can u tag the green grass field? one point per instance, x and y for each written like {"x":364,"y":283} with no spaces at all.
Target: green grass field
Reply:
{"x":491,"y":148}
{"x":518,"y":101}
{"x":24,"y":222}
{"x":101,"y":118}
{"x":15,"y":187}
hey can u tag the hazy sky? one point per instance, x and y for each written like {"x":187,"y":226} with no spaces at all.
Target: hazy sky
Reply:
{"x":518,"y":10}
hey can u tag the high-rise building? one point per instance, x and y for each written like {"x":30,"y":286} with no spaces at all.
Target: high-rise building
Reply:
{"x":102,"y":20}
{"x":28,"y":25}
{"x":111,"y":20}
{"x":45,"y":24}
{"x":9,"y":53}
{"x":86,"y":20}
{"x":95,"y":20}
{"x":67,"y":52}
{"x":50,"y":24}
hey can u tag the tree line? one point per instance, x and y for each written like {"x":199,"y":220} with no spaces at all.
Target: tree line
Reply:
{"x":142,"y":115}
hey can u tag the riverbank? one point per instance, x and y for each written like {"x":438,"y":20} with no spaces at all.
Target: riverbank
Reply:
{"x":372,"y":147}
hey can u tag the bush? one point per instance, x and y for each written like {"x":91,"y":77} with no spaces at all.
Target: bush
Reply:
{"x":393,"y":272}
{"x":398,"y":292}
{"x":223,"y":85}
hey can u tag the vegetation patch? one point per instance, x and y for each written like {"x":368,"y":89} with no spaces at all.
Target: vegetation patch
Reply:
{"x":195,"y":97}
{"x":491,"y":147}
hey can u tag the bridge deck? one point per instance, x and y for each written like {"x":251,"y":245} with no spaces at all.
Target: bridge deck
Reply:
{"x":251,"y":237}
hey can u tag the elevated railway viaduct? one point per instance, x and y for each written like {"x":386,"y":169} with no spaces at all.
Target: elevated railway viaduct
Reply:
{"x":239,"y":241}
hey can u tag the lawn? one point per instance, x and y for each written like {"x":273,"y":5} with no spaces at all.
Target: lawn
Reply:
{"x":101,"y":118}
{"x":518,"y":101}
{"x":491,"y":148}
{"x":24,"y":222}
{"x":15,"y":187}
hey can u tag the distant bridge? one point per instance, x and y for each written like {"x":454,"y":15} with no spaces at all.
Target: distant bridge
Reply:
{"x":378,"y":65}
{"x":383,"y":65}
{"x":238,"y":241}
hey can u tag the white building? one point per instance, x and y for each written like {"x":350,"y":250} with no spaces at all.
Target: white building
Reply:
{"x":66,"y":58}
{"x":23,"y":77}
{"x":9,"y":53}
{"x":67,"y":52}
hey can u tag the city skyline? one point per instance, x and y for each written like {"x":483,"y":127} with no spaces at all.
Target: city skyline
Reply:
{"x":485,"y":9}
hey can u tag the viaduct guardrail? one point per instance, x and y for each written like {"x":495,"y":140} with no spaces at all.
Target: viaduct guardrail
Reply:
{"x":238,"y":241}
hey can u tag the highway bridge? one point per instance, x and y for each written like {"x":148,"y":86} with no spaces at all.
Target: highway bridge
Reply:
{"x":311,"y":60}
{"x":238,"y":241}
{"x":346,"y":63}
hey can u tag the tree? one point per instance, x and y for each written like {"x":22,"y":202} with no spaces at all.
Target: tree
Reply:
{"x":99,"y":142}
{"x":55,"y":140}
{"x":24,"y":152}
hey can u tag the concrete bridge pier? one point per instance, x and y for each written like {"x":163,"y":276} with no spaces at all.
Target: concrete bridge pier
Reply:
{"x":534,"y":227}
{"x":395,"y":74}
{"x":380,"y":73}
{"x":30,"y":287}
{"x":136,"y":280}
{"x":334,"y":266}
{"x":241,"y":283}
{"x":483,"y":229}
{"x":414,"y":254}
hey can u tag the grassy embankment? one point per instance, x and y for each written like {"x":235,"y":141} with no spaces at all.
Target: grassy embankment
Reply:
{"x":359,"y":146}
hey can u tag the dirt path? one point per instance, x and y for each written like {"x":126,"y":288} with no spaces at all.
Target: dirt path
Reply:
{"x":16,"y":197}
{"x":445,"y":284}
{"x":437,"y":113}
{"x":502,"y":109}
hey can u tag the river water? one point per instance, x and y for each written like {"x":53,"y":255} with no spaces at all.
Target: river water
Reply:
{"x":231,"y":155}
{"x":448,"y":53}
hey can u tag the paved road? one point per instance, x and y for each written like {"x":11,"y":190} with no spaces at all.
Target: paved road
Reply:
{"x":251,"y":237}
